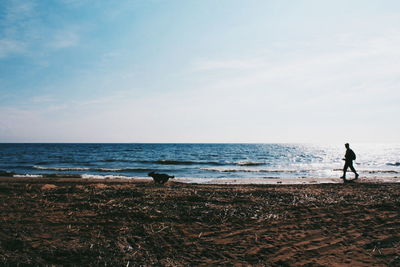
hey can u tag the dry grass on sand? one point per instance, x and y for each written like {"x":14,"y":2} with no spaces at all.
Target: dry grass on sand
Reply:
{"x":119,"y":223}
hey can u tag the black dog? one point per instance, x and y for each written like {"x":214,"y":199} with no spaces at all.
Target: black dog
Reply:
{"x":160,"y":178}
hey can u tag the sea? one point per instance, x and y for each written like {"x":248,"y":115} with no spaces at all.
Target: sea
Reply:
{"x":196,"y":163}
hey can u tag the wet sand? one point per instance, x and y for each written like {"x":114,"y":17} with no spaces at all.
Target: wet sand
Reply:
{"x":85,"y":222}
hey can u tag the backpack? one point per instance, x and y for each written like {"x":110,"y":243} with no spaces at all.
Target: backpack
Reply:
{"x":353,"y":155}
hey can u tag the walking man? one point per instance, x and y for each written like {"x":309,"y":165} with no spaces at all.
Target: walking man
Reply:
{"x":348,"y":162}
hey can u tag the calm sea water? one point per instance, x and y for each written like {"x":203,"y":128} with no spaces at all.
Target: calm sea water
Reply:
{"x":198,"y":162}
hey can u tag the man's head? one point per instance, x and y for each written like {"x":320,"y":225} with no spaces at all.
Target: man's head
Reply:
{"x":347,"y":145}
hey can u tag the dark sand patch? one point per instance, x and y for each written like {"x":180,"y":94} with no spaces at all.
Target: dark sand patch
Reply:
{"x":119,"y":223}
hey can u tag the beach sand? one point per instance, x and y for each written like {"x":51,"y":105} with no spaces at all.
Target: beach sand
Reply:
{"x":85,"y":222}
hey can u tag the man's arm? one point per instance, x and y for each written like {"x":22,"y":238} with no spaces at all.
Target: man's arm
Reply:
{"x":347,"y":155}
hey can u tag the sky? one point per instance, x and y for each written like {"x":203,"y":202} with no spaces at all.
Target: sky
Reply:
{"x":305,"y":71}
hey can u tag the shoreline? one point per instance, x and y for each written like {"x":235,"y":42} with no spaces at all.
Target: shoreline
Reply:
{"x":210,"y":181}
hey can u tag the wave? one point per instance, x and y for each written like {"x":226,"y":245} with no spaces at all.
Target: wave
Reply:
{"x":61,"y":168}
{"x":159,"y":162}
{"x":165,"y":162}
{"x":82,"y":176}
{"x":94,"y":176}
{"x":214,"y":163}
{"x":246,"y":163}
{"x":253,"y":170}
{"x":94,"y":169}
{"x":393,"y":164}
{"x":181,"y":162}
{"x":28,"y":176}
{"x":123,"y":170}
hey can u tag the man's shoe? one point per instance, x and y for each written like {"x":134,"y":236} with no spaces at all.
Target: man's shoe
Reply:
{"x":356,"y":176}
{"x":343,"y":177}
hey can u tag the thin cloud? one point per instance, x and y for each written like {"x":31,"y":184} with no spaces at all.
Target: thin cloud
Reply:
{"x":43,"y":99}
{"x":74,"y":3}
{"x":232,"y":64}
{"x":17,"y":11}
{"x":65,"y":39}
{"x":10,"y":47}
{"x":24,"y":32}
{"x":15,"y":27}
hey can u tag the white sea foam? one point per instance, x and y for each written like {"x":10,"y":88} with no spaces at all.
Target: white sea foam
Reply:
{"x":90,"y":169}
{"x":227,"y":169}
{"x":60,"y":168}
{"x":93,"y":176}
{"x":28,"y":176}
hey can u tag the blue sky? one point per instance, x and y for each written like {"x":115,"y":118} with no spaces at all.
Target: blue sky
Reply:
{"x":199,"y":71}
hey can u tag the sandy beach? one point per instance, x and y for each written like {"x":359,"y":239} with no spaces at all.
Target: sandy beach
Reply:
{"x":83,"y":222}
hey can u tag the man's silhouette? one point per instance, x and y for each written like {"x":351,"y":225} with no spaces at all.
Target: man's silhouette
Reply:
{"x":348,"y":162}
